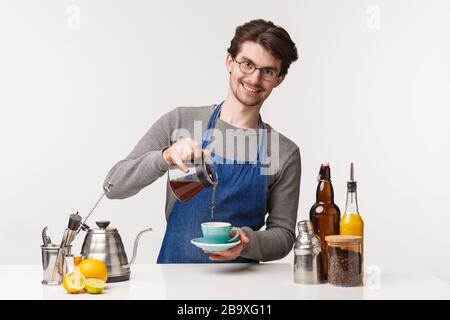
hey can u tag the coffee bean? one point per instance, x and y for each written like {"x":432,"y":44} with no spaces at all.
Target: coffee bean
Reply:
{"x":345,"y":268}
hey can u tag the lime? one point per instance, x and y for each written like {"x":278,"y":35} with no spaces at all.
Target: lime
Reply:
{"x":94,"y":286}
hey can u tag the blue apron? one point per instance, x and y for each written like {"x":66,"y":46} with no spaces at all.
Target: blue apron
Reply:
{"x":240,"y":199}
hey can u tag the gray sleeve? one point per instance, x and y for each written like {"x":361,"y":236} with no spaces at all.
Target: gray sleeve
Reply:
{"x":277,"y":240}
{"x":145,"y":163}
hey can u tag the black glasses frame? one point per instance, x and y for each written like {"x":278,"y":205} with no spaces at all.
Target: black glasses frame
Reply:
{"x":256,"y":68}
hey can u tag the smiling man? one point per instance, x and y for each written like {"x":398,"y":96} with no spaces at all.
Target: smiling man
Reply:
{"x":247,"y":196}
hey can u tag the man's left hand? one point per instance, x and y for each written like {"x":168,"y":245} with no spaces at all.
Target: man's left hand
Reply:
{"x":233,"y":253}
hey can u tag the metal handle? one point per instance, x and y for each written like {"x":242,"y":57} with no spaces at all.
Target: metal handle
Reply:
{"x":106,"y":188}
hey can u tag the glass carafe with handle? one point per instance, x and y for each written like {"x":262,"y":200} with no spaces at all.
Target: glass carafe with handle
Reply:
{"x":200,"y":175}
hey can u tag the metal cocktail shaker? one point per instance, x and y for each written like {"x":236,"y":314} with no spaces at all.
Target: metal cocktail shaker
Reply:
{"x":308,"y":255}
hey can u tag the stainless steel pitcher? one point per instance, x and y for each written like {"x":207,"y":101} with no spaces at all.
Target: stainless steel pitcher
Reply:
{"x":53,"y":270}
{"x":105,"y":244}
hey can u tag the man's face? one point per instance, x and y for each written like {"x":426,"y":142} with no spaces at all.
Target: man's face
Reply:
{"x":252,"y":89}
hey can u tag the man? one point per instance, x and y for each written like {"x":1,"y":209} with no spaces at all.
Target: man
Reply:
{"x":257,"y":61}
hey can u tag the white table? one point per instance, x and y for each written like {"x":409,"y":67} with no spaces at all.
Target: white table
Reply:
{"x":228,"y":282}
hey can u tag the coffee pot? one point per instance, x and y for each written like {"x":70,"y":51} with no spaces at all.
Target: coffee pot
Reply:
{"x":105,"y":244}
{"x":200,"y":174}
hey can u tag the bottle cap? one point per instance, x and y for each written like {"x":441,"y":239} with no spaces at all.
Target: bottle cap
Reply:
{"x":351,"y":185}
{"x":324,"y":172}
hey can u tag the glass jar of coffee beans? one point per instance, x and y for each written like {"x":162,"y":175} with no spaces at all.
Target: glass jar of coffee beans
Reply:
{"x":345,"y":260}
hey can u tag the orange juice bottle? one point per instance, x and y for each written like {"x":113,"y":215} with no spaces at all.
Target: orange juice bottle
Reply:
{"x":351,"y":223}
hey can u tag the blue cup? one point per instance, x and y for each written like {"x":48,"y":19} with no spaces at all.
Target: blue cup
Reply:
{"x":218,"y":232}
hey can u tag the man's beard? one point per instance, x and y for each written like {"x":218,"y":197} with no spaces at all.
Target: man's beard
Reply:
{"x":253,"y":103}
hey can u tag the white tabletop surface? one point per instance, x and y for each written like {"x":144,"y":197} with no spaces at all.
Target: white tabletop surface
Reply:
{"x":228,"y":282}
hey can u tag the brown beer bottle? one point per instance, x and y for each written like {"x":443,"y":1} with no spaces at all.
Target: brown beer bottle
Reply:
{"x":325,"y":214}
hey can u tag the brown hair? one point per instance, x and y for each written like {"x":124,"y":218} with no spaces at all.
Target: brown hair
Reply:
{"x":273,"y":38}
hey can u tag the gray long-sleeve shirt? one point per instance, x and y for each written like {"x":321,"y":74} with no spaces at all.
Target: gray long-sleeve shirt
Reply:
{"x":145,"y":164}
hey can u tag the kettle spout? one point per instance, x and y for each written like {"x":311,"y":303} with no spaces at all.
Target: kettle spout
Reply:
{"x":136,"y":242}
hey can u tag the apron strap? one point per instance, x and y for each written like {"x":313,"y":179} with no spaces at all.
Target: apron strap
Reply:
{"x":212,"y":124}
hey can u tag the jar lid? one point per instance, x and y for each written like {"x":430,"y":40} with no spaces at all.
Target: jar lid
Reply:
{"x":343,"y":240}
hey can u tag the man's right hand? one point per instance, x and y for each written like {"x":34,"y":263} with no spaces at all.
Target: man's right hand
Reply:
{"x":185,"y":149}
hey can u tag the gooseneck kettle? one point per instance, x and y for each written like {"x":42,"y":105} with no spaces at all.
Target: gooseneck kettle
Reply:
{"x":105,"y":244}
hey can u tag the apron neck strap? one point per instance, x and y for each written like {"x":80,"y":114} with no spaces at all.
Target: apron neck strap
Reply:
{"x":212,"y":124}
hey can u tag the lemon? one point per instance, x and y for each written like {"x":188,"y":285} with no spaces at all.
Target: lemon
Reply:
{"x":94,"y":286}
{"x":74,"y":282}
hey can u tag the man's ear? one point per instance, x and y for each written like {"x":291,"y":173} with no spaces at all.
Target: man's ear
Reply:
{"x":229,"y":62}
{"x":279,"y":80}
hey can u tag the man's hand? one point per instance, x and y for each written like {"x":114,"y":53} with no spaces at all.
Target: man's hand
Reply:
{"x":233,"y":253}
{"x":183,"y":150}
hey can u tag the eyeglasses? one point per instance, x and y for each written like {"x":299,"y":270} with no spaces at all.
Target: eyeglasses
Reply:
{"x":248,"y":67}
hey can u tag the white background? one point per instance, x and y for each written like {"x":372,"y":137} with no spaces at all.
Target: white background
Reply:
{"x":371,"y":86}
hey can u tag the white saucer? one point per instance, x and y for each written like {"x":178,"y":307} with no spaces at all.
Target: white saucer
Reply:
{"x":199,"y":242}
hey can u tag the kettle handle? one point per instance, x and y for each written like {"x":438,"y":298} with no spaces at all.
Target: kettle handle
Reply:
{"x":136,"y":242}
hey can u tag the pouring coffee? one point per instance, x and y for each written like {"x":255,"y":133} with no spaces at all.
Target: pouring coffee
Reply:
{"x":200,"y":175}
{"x":105,"y":244}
